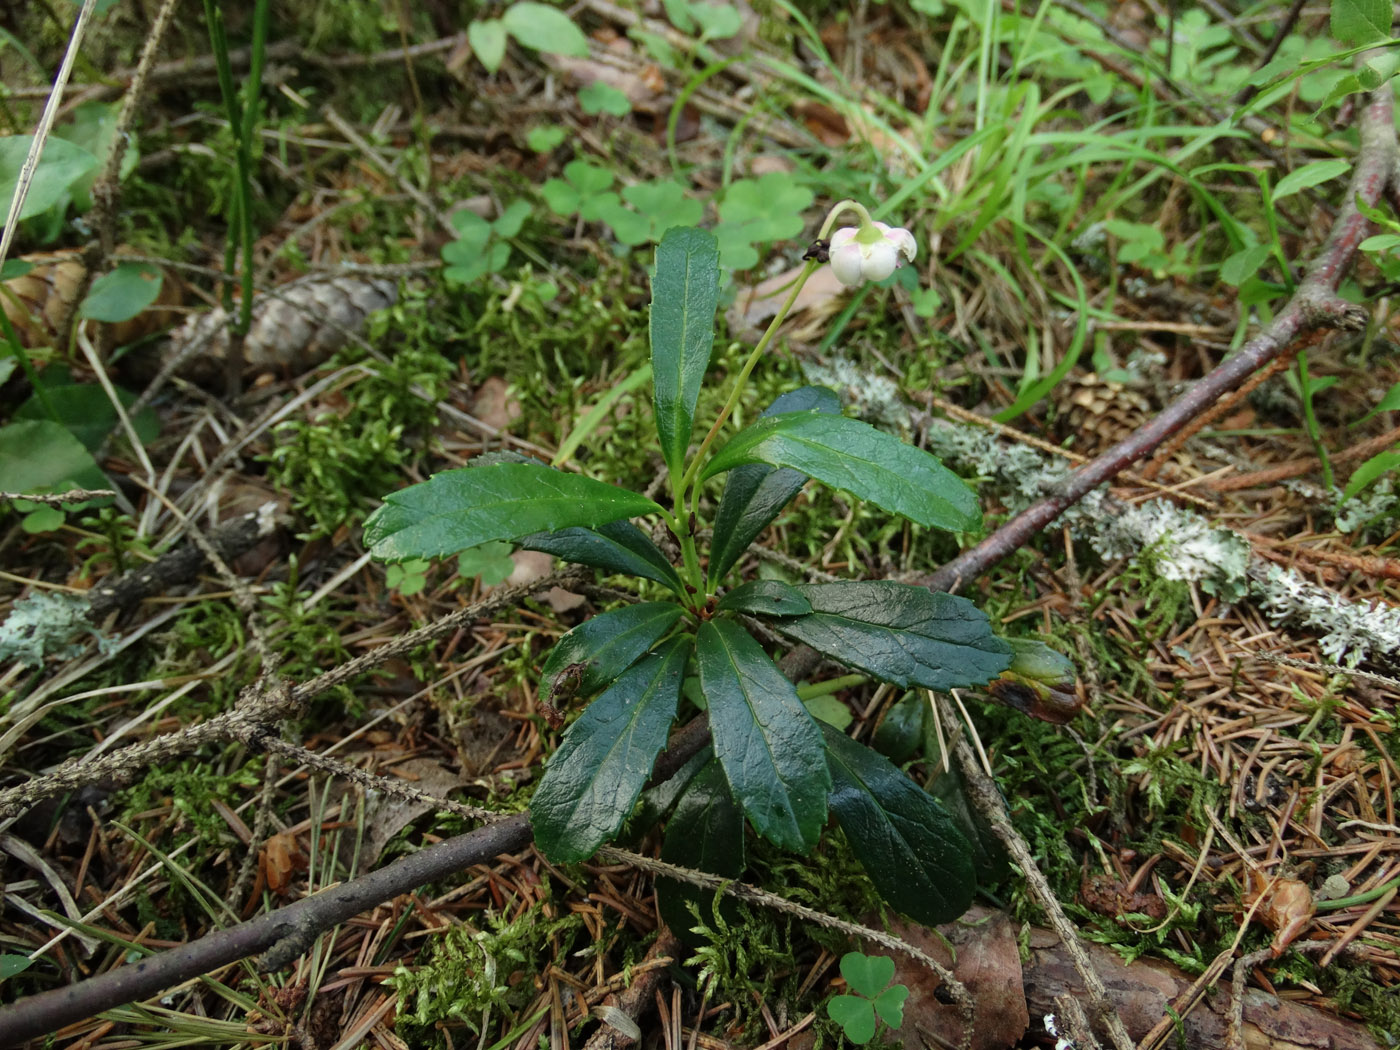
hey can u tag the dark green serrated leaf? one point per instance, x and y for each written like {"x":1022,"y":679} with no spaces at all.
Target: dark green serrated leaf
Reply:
{"x":684,"y":295}
{"x":900,"y":633}
{"x":755,"y":493}
{"x":706,"y":832}
{"x":618,"y":546}
{"x":767,"y":742}
{"x":915,"y":855}
{"x":990,"y":861}
{"x":659,"y":798}
{"x":868,"y":463}
{"x":465,"y":508}
{"x":600,"y":649}
{"x":592,"y":782}
{"x":766,"y":598}
{"x":901,"y":732}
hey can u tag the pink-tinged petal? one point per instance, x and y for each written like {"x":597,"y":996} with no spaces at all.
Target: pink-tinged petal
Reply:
{"x":842,"y":237}
{"x":880,"y":261}
{"x":846,"y":263}
{"x":904,"y":243}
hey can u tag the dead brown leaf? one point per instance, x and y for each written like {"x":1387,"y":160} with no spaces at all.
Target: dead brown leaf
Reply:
{"x":754,"y":307}
{"x":495,"y":405}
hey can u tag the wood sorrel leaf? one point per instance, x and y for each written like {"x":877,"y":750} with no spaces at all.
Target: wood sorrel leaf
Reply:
{"x":854,"y":456}
{"x":755,"y":493}
{"x":618,"y":546}
{"x":915,"y":855}
{"x":706,"y":832}
{"x":463,"y":508}
{"x":600,"y":649}
{"x":684,"y":294}
{"x":593,"y":780}
{"x":767,"y":742}
{"x":900,"y":633}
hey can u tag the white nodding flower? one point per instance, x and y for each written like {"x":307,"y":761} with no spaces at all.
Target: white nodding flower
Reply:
{"x":871,"y":252}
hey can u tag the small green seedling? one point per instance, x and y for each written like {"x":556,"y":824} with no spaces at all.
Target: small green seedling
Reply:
{"x":407,"y":577}
{"x":868,"y":977}
{"x":687,"y":644}
{"x":491,"y":563}
{"x":536,"y":26}
{"x":481,"y":246}
{"x":598,"y":97}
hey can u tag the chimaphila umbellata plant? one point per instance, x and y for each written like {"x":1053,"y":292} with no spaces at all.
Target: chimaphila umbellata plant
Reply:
{"x":769,"y":761}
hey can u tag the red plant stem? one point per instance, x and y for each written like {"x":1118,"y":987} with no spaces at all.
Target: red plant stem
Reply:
{"x":1314,"y":305}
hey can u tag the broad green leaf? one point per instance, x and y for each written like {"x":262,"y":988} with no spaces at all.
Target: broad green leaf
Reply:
{"x":684,"y":294}
{"x":901,"y":732}
{"x":767,"y":742}
{"x":1361,"y":21}
{"x":830,"y":710}
{"x":1313,"y":174}
{"x":855,"y":1015}
{"x":900,"y":633}
{"x":755,"y":493}
{"x":867,"y":975}
{"x":889,"y":1004}
{"x":868,"y":463}
{"x":545,"y":28}
{"x":766,"y":598}
{"x":990,"y":861}
{"x":1373,"y":468}
{"x":491,"y":562}
{"x":87,"y":412}
{"x":512,"y":218}
{"x":1389,"y":403}
{"x":917,"y":859}
{"x":61,"y":164}
{"x":1244,"y":264}
{"x":488,"y":41}
{"x":42,"y":456}
{"x":465,"y":508}
{"x":618,"y":546}
{"x":665,"y":202}
{"x":706,"y":832}
{"x":122,"y":294}
{"x":659,"y":798}
{"x":13,"y":965}
{"x":601,"y":648}
{"x":592,"y":782}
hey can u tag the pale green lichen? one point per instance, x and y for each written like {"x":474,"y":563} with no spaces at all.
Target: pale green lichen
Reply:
{"x":45,"y":624}
{"x":1179,"y":544}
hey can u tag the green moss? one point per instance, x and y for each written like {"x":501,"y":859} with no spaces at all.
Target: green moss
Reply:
{"x":481,"y":979}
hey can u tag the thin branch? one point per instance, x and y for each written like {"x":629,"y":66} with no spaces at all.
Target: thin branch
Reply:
{"x":290,"y":929}
{"x":1314,"y":305}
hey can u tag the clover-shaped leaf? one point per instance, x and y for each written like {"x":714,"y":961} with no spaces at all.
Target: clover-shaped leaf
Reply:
{"x":599,"y":97}
{"x":855,"y":1015}
{"x":757,"y":211}
{"x":867,"y":976}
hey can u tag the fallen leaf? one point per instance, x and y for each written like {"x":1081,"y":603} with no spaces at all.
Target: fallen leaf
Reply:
{"x":495,"y":405}
{"x":282,"y":860}
{"x":1286,"y":906}
{"x":988,"y":963}
{"x":754,"y":307}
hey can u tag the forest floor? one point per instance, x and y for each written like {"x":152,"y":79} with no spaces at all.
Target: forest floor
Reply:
{"x":1100,"y":221}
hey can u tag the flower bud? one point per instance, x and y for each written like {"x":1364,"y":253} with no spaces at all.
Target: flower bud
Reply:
{"x":1040,"y":682}
{"x":870,"y":253}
